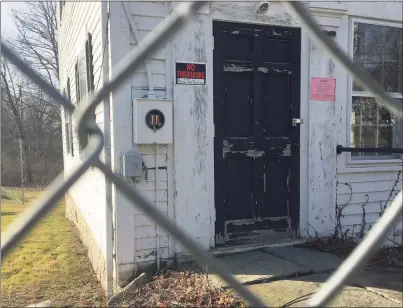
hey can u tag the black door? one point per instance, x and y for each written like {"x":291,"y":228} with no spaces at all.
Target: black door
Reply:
{"x":256,"y":98}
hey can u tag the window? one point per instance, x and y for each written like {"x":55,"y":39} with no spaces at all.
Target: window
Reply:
{"x":84,"y":71}
{"x":81,"y":85}
{"x":89,"y":64}
{"x":82,"y":77}
{"x":77,"y":76}
{"x":378,"y":50}
{"x":67,"y":124}
{"x":70,"y":126}
{"x":61,"y":3}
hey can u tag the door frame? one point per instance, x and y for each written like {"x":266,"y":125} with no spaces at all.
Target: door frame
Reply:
{"x":296,"y":135}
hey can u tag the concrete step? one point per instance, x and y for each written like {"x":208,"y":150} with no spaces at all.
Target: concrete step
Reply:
{"x":255,"y":267}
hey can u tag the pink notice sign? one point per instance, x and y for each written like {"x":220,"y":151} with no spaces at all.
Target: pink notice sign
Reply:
{"x":323,"y":89}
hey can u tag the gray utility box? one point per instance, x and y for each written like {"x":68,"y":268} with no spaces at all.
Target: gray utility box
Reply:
{"x":132,"y":165}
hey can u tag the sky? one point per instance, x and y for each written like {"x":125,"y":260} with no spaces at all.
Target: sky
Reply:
{"x":7,"y":24}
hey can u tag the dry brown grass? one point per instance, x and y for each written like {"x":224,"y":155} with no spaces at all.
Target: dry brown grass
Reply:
{"x":180,"y":289}
{"x":49,"y":264}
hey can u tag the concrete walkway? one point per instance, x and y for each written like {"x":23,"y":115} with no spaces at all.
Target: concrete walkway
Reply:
{"x":289,"y":275}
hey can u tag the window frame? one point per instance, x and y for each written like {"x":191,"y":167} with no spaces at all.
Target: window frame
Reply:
{"x":70,"y":118}
{"x":89,"y":63}
{"x":61,"y":9}
{"x":365,"y":160}
{"x":85,"y":62}
{"x":77,"y":83}
{"x":67,"y":127}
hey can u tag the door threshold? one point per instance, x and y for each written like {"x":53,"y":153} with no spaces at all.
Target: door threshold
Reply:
{"x":235,"y":249}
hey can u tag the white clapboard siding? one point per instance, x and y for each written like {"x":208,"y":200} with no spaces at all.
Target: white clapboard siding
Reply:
{"x":373,"y":190}
{"x":148,"y":231}
{"x":147,"y":255}
{"x":88,"y":193}
{"x":360,"y":198}
{"x":146,"y":16}
{"x":150,"y":242}
{"x":72,"y":43}
{"x":141,"y":220}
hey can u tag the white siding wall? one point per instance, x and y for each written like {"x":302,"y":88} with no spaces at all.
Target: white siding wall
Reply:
{"x":146,"y":16}
{"x":186,"y":182}
{"x":79,"y":19}
{"x":367,"y":192}
{"x":135,"y":233}
{"x":186,"y":179}
{"x":194,"y":136}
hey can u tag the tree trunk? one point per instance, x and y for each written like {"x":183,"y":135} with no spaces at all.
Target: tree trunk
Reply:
{"x":29,"y":177}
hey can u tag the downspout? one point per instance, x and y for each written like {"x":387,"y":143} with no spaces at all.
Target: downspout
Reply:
{"x":157,"y":255}
{"x":168,"y":8}
{"x":151,"y":92}
{"x":110,"y":219}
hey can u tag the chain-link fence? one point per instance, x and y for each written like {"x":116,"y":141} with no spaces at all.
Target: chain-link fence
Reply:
{"x":32,"y":162}
{"x":94,"y":145}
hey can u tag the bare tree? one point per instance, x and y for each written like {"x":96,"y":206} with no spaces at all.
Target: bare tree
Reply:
{"x":30,"y":114}
{"x":12,"y":98}
{"x":37,"y":37}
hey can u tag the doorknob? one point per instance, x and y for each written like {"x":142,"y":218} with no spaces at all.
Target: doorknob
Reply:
{"x":297,"y":121}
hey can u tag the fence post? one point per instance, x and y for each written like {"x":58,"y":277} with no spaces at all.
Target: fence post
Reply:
{"x":22,"y":171}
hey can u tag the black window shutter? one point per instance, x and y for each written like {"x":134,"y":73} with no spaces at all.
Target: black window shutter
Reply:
{"x":68,"y":89}
{"x":78,"y":96}
{"x":89,"y":64}
{"x":70,"y":132}
{"x":61,"y":9}
{"x":90,"y":67}
{"x":66,"y":125}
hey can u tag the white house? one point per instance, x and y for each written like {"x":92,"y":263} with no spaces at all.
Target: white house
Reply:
{"x":253,"y":112}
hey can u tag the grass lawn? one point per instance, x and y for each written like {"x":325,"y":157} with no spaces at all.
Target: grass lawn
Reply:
{"x":50,"y":263}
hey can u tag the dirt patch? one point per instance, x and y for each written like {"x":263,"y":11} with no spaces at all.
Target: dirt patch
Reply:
{"x":385,"y":257}
{"x":180,"y":289}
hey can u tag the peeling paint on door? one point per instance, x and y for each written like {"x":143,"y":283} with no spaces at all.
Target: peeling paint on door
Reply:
{"x":253,"y":130}
{"x":287,"y":150}
{"x":237,"y":68}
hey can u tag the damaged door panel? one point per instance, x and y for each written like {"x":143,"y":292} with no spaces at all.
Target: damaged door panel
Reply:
{"x":256,"y":96}
{"x":262,"y":147}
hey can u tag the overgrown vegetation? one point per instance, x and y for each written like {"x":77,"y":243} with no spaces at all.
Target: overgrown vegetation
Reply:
{"x":49,"y":264}
{"x":386,"y":257}
{"x":182,"y":288}
{"x":342,"y":241}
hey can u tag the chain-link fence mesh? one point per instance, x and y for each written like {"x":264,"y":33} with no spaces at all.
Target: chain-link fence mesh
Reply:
{"x":11,"y":169}
{"x":29,"y":163}
{"x":94,"y":145}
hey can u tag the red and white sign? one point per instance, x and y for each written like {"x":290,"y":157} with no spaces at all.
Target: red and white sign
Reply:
{"x":323,"y":89}
{"x":190,"y":73}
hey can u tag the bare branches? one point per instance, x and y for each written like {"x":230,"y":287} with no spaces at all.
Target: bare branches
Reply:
{"x":36,"y":42}
{"x":12,"y":96}
{"x":339,"y":214}
{"x":37,"y":38}
{"x":31,"y":114}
